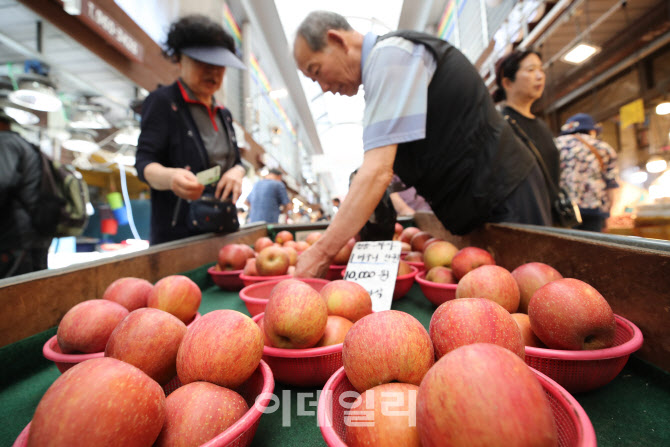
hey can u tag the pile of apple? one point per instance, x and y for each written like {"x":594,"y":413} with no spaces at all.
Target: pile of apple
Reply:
{"x":298,"y":317}
{"x":119,"y":399}
{"x":267,"y":257}
{"x":474,"y":394}
{"x":551,"y":311}
{"x":87,"y":326}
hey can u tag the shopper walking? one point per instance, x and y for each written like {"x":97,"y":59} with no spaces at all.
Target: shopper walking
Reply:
{"x":588,"y":170}
{"x":267,"y":199}
{"x":22,"y":248}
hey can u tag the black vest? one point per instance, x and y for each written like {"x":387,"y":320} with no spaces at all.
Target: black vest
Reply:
{"x":470,"y":160}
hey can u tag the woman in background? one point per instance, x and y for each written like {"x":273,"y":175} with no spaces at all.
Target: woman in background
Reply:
{"x":520,"y":79}
{"x":185,"y":130}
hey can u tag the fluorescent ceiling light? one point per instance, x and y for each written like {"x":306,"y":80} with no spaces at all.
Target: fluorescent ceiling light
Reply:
{"x":89,"y":117}
{"x":656,"y":164}
{"x":23,"y":117}
{"x":127,"y":136}
{"x":37,"y":93}
{"x":81,"y":142}
{"x":580,"y":53}
{"x":663,"y":108}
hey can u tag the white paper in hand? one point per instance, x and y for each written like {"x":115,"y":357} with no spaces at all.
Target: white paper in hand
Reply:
{"x":374,"y":265}
{"x":209,"y":176}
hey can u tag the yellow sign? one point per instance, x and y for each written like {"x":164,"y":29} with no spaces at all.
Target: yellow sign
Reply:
{"x":631,"y":113}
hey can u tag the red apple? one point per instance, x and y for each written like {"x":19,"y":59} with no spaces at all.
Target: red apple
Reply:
{"x":414,"y":256}
{"x":404,"y":268}
{"x":530,"y":277}
{"x":570,"y":314}
{"x":232,"y":257}
{"x":178,"y":295}
{"x":87,"y":326}
{"x":250,"y":268}
{"x":248,"y":250}
{"x":441,"y":275}
{"x":292,"y":255}
{"x":99,"y":402}
{"x":129,"y":292}
{"x":384,"y":415}
{"x":266,"y":340}
{"x":313,"y":237}
{"x":418,"y":240}
{"x":473,"y":320}
{"x":292,"y":244}
{"x":483,"y":395}
{"x":336,"y":329}
{"x":148,"y":339}
{"x":272,"y":261}
{"x":405,"y":247}
{"x":529,"y":337}
{"x":301,"y":246}
{"x":439,"y":253}
{"x":430,"y":241}
{"x":261,"y":243}
{"x":385,"y":347}
{"x":187,"y":407}
{"x":469,"y":258}
{"x":295,"y":315}
{"x":342,"y":256}
{"x":283,"y":236}
{"x":223,"y":347}
{"x":407,"y":233}
{"x":491,"y":282}
{"x":347,"y":299}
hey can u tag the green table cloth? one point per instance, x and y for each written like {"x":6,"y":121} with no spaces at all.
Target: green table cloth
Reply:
{"x":632,"y":410}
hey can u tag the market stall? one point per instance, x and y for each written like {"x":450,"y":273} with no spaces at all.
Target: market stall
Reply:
{"x":631,"y":410}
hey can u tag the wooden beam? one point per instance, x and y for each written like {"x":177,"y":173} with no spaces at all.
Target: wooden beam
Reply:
{"x":649,"y":27}
{"x":37,"y":301}
{"x":149,"y":74}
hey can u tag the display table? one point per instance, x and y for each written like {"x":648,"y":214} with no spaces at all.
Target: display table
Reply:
{"x":634,"y":409}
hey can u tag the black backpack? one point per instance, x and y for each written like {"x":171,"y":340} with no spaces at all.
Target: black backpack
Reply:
{"x":61,"y":208}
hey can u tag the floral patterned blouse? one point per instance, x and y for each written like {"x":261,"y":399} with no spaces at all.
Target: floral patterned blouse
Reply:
{"x":581,"y":174}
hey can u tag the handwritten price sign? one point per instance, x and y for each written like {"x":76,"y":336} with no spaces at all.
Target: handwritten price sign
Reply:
{"x":374,"y":265}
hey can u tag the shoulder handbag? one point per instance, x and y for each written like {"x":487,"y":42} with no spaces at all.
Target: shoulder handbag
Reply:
{"x":565,"y":210}
{"x":208,"y":214}
{"x":593,"y":150}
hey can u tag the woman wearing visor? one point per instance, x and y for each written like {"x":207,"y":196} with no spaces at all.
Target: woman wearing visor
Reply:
{"x":185,"y":130}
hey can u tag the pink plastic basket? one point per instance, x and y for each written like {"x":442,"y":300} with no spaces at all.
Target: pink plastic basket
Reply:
{"x":249,"y":279}
{"x":579,"y":371}
{"x":335,"y":272}
{"x":255,"y":296}
{"x":574,"y":426}
{"x":302,"y":367}
{"x":226,"y":279}
{"x":257,"y":391}
{"x":419,"y":265}
{"x":403,"y":283}
{"x":437,"y":293}
{"x":63,"y":362}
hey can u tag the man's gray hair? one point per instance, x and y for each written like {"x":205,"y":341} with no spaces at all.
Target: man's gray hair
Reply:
{"x":315,"y":26}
